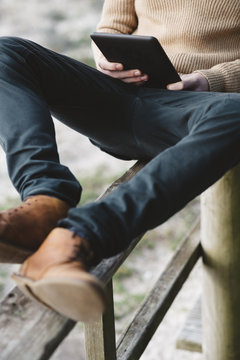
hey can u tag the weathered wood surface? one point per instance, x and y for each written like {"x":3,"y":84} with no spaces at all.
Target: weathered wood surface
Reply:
{"x":128,"y":175}
{"x":140,"y":331}
{"x":28,"y":330}
{"x":221,"y":268}
{"x":190,"y":337}
{"x":37,"y":330}
{"x":100,"y":341}
{"x":94,"y":342}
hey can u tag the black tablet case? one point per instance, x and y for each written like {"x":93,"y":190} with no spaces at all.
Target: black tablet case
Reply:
{"x":138,"y":52}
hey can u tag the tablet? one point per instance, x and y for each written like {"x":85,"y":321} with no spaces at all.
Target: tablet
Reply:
{"x":138,"y":52}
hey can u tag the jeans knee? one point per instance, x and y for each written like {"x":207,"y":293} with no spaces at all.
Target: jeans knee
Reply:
{"x":231,"y":110}
{"x":233,"y":102}
{"x":8,"y":41}
{"x":228,"y":121}
{"x":10,"y":47}
{"x":226,"y":110}
{"x":12,"y":55}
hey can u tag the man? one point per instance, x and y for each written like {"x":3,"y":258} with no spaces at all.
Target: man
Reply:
{"x":190,"y":138}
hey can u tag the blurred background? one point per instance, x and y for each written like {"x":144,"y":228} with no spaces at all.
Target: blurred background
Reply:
{"x":64,"y":26}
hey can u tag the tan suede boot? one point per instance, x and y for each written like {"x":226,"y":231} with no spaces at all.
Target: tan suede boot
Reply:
{"x":23,"y":229}
{"x":57,"y":276}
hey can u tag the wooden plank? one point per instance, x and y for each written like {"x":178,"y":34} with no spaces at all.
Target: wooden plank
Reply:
{"x":28,"y":330}
{"x":190,"y":337}
{"x":140,"y":331}
{"x":100,"y":339}
{"x":128,"y":175}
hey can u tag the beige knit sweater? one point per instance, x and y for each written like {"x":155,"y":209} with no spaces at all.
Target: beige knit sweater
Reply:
{"x":197,"y":35}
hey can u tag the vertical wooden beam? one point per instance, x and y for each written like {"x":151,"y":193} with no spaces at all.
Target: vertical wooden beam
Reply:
{"x":100,"y":341}
{"x":221,"y":269}
{"x":94,"y":341}
{"x":109,"y":334}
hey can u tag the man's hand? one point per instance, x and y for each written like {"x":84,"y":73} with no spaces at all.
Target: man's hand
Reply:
{"x":193,"y":82}
{"x":117,"y":71}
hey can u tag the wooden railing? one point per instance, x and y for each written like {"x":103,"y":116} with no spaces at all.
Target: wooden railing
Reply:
{"x":29,"y":331}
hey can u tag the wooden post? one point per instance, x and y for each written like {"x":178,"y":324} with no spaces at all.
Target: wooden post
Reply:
{"x":221,"y":268}
{"x":100,"y":339}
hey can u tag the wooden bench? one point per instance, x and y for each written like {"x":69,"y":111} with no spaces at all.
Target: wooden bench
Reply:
{"x":29,"y":331}
{"x":38,"y":331}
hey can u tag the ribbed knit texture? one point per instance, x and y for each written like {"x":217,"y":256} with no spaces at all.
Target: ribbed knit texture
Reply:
{"x":197,"y":35}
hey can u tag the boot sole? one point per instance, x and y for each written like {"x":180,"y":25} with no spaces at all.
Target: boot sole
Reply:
{"x":78,"y":299}
{"x":12,"y":254}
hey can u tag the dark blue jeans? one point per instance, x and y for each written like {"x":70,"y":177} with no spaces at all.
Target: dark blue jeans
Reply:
{"x":190,"y":139}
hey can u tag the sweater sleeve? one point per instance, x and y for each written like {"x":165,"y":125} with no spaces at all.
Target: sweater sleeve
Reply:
{"x":223,"y":77}
{"x":117,"y":17}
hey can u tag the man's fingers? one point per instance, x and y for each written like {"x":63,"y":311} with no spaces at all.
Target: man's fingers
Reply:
{"x":124,"y":74}
{"x":134,"y":75}
{"x":176,"y":86}
{"x":137,"y":80}
{"x":117,"y":71}
{"x":111,"y":66}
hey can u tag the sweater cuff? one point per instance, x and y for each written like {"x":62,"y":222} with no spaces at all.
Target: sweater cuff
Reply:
{"x":214,"y":78}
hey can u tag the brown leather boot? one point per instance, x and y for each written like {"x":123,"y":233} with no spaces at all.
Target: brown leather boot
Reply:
{"x":57,"y":276}
{"x":23,"y":229}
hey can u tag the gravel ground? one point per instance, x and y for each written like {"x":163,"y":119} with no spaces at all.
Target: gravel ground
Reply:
{"x":64,"y":25}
